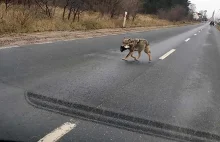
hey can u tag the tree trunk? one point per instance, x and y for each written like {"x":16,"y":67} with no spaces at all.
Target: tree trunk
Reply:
{"x":48,"y":12}
{"x":134,"y":16}
{"x":69,"y":15}
{"x":54,"y":6}
{"x":112,"y":14}
{"x":74,"y":17}
{"x":64,"y":11}
{"x":78,"y":16}
{"x":29,"y":3}
{"x":6,"y":5}
{"x":25,"y":1}
{"x":76,"y":13}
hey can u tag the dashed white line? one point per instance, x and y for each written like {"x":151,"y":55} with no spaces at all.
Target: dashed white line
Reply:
{"x":5,"y":47}
{"x":167,"y":54}
{"x":58,"y":132}
{"x":195,"y":34}
{"x":187,"y":39}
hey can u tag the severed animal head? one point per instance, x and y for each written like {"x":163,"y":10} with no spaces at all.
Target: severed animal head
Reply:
{"x":125,"y":44}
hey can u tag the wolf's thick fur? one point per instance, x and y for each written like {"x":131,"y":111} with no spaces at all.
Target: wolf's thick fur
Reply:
{"x":135,"y":45}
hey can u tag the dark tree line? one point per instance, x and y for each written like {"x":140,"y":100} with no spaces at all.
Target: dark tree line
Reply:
{"x":153,"y":6}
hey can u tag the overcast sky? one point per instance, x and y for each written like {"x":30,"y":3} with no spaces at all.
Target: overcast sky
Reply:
{"x":209,"y":5}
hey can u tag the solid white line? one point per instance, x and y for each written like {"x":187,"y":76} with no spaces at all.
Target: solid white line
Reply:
{"x":58,"y":133}
{"x":195,"y":34}
{"x":44,"y":42}
{"x":167,"y":54}
{"x":89,"y":37}
{"x":5,"y":47}
{"x":67,"y":40}
{"x":187,"y":39}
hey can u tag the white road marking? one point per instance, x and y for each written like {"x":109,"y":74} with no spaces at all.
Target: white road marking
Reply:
{"x":195,"y":34}
{"x":44,"y":42}
{"x":187,"y":39}
{"x":5,"y":47}
{"x":58,"y":132}
{"x":167,"y":54}
{"x":67,"y":40}
{"x":199,"y":31}
{"x":89,"y":37}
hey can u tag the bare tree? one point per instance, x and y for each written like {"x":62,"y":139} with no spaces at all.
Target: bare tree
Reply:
{"x":192,"y":8}
{"x":47,"y":6}
{"x":111,"y":7}
{"x":75,"y":7}
{"x":7,"y":4}
{"x":132,"y":7}
{"x":67,"y":2}
{"x":114,"y":7}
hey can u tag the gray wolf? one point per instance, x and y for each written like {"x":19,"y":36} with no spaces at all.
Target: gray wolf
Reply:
{"x":133,"y":45}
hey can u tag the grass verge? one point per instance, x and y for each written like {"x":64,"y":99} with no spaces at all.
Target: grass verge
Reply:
{"x":20,"y":20}
{"x":218,"y":26}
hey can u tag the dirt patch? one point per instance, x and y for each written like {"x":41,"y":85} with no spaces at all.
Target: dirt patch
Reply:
{"x":25,"y":39}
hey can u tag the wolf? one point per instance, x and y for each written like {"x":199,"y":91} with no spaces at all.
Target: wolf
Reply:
{"x":136,"y":44}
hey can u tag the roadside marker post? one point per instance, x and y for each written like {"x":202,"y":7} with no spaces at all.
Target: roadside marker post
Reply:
{"x":125,"y":18}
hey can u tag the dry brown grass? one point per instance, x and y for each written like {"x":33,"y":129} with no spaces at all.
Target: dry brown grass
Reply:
{"x":218,"y":26}
{"x":20,"y":20}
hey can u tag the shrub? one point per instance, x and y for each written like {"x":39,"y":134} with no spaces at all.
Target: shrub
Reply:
{"x":91,"y":24}
{"x":162,"y":14}
{"x":176,"y":13}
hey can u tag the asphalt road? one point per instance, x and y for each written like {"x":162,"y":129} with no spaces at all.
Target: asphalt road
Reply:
{"x":85,"y":82}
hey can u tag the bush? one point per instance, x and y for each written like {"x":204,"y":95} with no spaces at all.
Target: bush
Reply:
{"x":91,"y":24}
{"x":176,"y":13}
{"x":162,"y":14}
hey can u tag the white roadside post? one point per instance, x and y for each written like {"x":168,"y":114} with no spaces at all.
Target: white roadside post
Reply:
{"x":125,"y":17}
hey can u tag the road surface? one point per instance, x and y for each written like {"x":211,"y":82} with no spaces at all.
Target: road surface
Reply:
{"x":81,"y":90}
